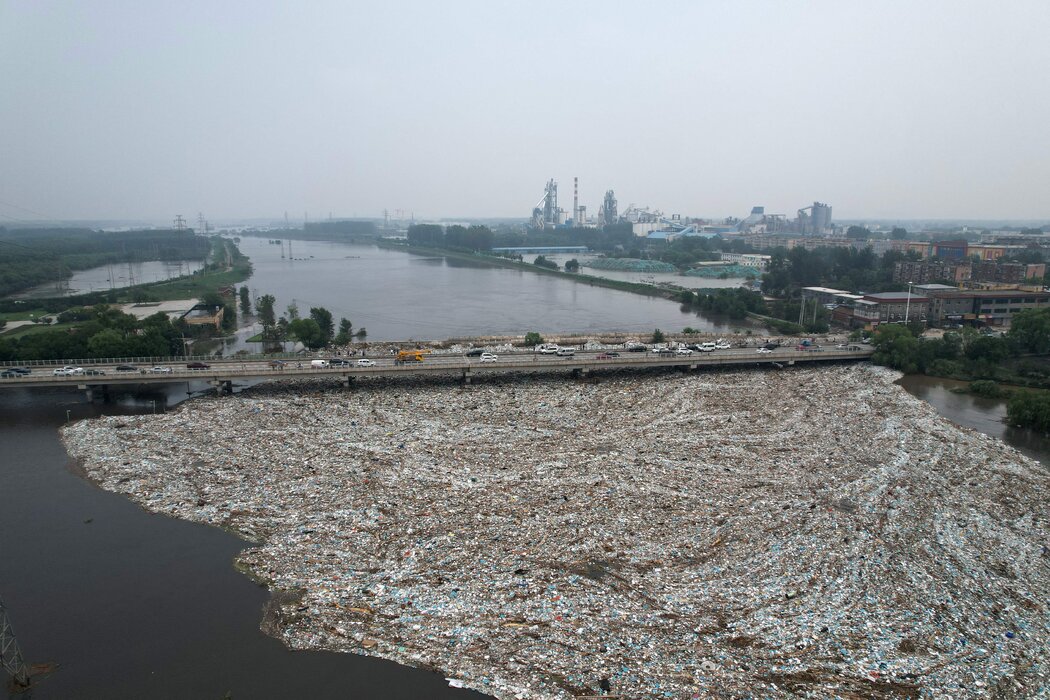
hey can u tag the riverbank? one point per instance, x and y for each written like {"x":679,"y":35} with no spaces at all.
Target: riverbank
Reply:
{"x":710,"y":543}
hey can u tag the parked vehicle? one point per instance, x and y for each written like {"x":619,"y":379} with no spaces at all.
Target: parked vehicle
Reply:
{"x":197,"y":365}
{"x":489,"y":357}
{"x":319,"y":364}
{"x":547,"y":349}
{"x":365,"y":362}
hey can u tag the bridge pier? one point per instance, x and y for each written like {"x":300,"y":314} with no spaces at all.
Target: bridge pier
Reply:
{"x":466,"y":377}
{"x":348,"y":381}
{"x":88,"y":392}
{"x":222,"y":386}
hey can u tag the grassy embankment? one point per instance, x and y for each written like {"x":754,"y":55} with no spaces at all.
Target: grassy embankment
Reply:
{"x":633,"y":287}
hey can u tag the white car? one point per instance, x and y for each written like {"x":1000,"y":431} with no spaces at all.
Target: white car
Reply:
{"x":68,"y":371}
{"x":764,"y":351}
{"x":547,"y":349}
{"x":365,"y":362}
{"x":160,"y":369}
{"x":683,"y":351}
{"x":723,"y":345}
{"x":489,"y":357}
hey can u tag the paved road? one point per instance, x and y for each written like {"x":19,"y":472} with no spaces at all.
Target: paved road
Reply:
{"x":227,"y":370}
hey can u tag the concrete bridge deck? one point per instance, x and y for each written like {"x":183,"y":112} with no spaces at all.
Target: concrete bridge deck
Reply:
{"x":222,"y":373}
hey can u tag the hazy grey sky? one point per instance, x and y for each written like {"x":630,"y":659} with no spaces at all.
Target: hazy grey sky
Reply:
{"x":248,"y":109}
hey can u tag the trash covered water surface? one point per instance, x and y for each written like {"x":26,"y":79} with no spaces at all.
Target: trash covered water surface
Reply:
{"x":804,"y":533}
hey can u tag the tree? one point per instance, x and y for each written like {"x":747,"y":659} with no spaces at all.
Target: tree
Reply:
{"x":307,"y":332}
{"x":107,"y":343}
{"x":542,"y":261}
{"x":292,"y":311}
{"x":323,"y":317}
{"x":346,"y":331}
{"x":896,"y":347}
{"x":246,"y":301}
{"x":1030,"y":331}
{"x":265,"y":308}
{"x":898,"y":233}
{"x":572,"y":265}
{"x":658,"y":336}
{"x":858,"y":233}
{"x":533,"y":338}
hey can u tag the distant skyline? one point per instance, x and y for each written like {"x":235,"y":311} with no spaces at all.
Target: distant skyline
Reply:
{"x":892,"y":110}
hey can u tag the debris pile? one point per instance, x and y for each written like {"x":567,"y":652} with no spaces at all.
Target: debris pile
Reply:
{"x":806,"y":533}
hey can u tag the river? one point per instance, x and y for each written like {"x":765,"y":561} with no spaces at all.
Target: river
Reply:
{"x":399,"y":296}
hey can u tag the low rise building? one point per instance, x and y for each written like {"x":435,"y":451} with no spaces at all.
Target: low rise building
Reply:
{"x":747,"y":259}
{"x":894,"y":307}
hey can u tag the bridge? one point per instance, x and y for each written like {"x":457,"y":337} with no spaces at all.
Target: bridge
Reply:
{"x":221,"y":374}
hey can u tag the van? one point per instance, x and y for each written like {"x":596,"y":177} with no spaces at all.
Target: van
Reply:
{"x":566,"y":352}
{"x":319,"y":364}
{"x":707,"y":347}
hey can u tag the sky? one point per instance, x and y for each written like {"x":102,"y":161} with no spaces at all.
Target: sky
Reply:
{"x":890,"y":109}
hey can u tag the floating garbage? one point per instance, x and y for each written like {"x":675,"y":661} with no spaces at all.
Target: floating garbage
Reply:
{"x":798,"y":533}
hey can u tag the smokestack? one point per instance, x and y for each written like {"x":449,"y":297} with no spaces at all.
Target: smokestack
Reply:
{"x":575,"y":201}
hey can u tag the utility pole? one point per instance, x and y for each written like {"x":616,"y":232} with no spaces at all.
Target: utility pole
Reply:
{"x":11,"y":653}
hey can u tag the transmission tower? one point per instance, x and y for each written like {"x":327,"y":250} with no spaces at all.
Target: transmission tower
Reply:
{"x":11,"y":653}
{"x":201,"y":225}
{"x":180,"y":223}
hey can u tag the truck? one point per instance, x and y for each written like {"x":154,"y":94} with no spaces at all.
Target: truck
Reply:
{"x":404,"y":356}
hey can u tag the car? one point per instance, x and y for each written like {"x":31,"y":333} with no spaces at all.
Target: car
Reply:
{"x":277,"y":364}
{"x":67,"y":371}
{"x":126,"y":368}
{"x":8,"y":374}
{"x":474,"y":352}
{"x":197,"y":365}
{"x":160,"y":369}
{"x":723,"y":345}
{"x":94,"y":372}
{"x":841,"y":346}
{"x":683,"y":351}
{"x":20,"y":370}
{"x":612,"y":353}
{"x":547,"y":349}
{"x":665,"y":351}
{"x":764,"y":351}
{"x":340,"y":362}
{"x":365,"y":362}
{"x":603,"y":356}
{"x":489,"y":357}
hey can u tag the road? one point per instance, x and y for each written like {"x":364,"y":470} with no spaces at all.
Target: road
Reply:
{"x":226,"y":370}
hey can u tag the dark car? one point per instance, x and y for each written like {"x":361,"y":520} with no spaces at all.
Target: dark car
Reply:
{"x":126,"y":368}
{"x":197,"y":365}
{"x":771,"y":346}
{"x":19,"y":370}
{"x":340,"y":362}
{"x":637,"y":348}
{"x":93,"y":372}
{"x":8,"y":374}
{"x":473,"y":352}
